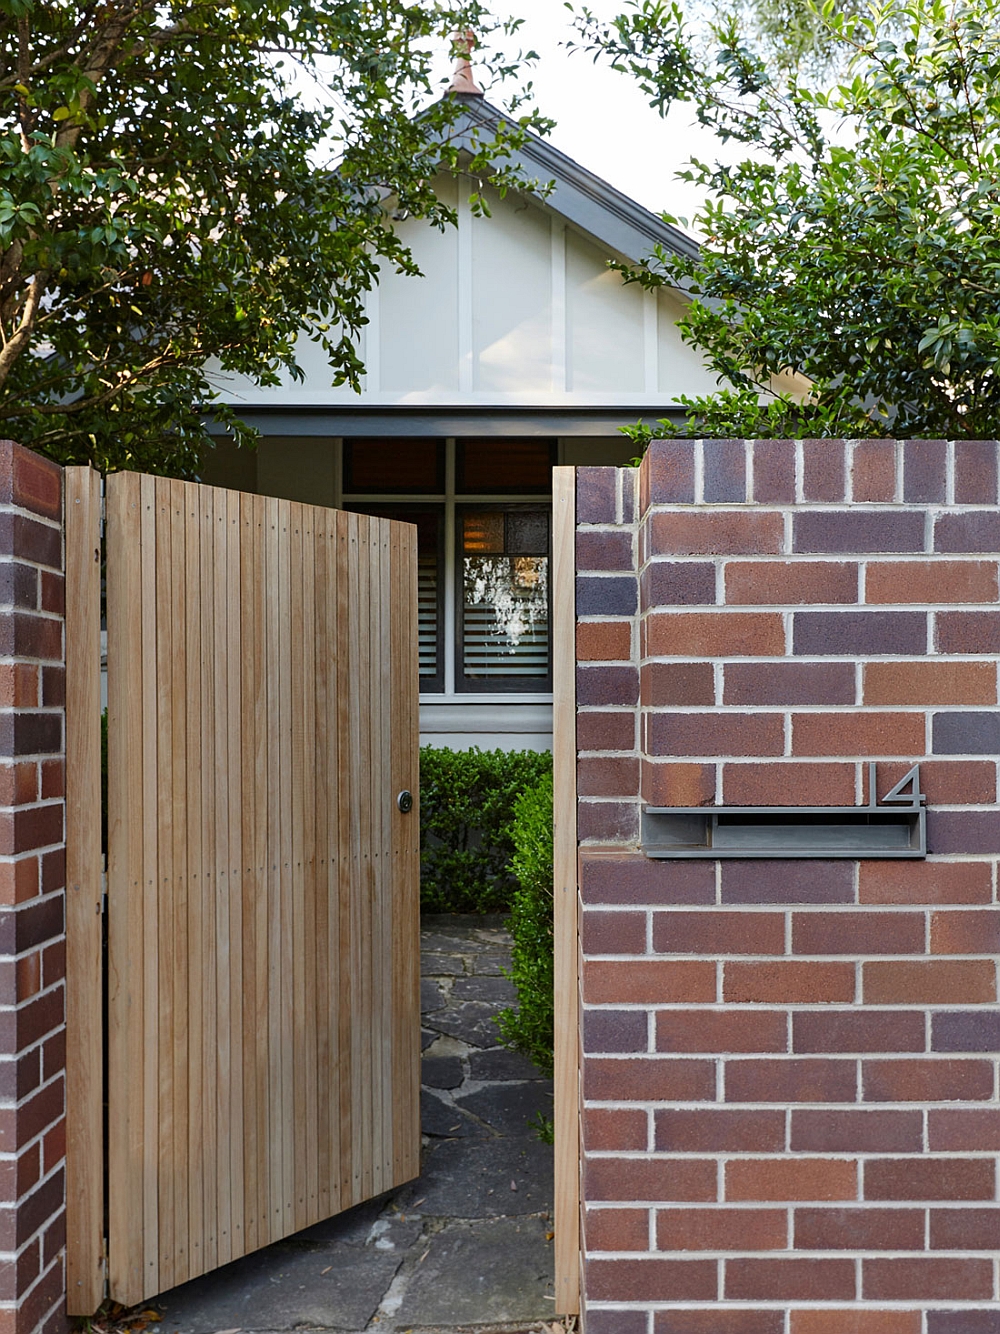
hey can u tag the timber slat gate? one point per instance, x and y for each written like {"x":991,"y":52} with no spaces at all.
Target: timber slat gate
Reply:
{"x":263,"y":964}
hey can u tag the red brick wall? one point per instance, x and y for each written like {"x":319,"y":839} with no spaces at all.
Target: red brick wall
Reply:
{"x":32,"y":890}
{"x":790,"y":1108}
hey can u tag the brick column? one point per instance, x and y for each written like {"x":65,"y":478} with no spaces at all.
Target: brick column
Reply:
{"x":32,"y":876}
{"x":791,"y":1116}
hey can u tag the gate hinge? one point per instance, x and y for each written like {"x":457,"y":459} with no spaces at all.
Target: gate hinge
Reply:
{"x":103,"y":510}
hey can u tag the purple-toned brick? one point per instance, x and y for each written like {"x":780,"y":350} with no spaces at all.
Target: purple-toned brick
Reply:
{"x":968,"y":632}
{"x":613,"y":596}
{"x":774,"y":471}
{"x":788,"y":683}
{"x":669,"y":469}
{"x":823,"y":471}
{"x":974,"y":532}
{"x":607,"y":685}
{"x":604,"y":551}
{"x":667,"y":583}
{"x":640,"y":880}
{"x":859,"y":633}
{"x":725,"y":471}
{"x":975,"y":472}
{"x":787,"y":882}
{"x":924,"y":470}
{"x":966,"y":1030}
{"x":857,"y":532}
{"x":615,"y":1031}
{"x":971,"y":733}
{"x":596,"y":495}
{"x":970,"y":832}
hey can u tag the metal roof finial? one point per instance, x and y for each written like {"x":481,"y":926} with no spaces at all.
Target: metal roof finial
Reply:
{"x":463,"y":43}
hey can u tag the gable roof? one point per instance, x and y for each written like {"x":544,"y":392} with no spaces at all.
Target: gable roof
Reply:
{"x":582,"y":198}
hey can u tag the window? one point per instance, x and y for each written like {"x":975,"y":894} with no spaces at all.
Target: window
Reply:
{"x":483,"y":553}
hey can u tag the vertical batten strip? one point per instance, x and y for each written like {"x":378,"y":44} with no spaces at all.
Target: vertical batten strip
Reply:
{"x":234,"y":770}
{"x":84,"y":963}
{"x":565,"y":927}
{"x":209,"y":823}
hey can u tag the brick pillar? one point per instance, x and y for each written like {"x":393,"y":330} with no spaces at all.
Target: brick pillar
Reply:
{"x":790,"y":1104}
{"x":32,"y":876}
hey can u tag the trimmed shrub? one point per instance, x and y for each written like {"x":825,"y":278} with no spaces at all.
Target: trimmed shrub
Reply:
{"x":529,"y":1028}
{"x":467,"y":800}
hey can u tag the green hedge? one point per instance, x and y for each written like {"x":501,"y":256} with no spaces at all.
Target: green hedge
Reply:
{"x":529,"y":1028}
{"x":467,"y":800}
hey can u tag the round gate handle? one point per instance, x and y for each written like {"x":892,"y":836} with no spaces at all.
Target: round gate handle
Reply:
{"x":405,"y":801}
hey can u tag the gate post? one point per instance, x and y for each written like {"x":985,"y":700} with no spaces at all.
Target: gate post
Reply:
{"x":32,"y":886}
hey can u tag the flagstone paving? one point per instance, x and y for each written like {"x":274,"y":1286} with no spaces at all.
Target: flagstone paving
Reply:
{"x":468,"y":1245}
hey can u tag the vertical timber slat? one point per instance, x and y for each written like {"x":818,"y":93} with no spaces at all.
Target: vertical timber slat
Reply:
{"x":84,"y":965}
{"x":565,"y":912}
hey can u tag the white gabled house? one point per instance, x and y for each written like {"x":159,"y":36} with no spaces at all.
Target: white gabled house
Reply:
{"x":517,"y":349}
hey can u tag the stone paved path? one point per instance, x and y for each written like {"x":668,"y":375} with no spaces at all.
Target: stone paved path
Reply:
{"x":467,"y":1246}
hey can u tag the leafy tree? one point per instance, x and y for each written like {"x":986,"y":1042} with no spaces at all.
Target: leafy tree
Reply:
{"x":184,"y":180}
{"x":858,"y":243}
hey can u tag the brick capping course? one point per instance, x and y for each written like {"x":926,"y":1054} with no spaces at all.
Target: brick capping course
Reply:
{"x":32,"y":875}
{"x":791,"y":1112}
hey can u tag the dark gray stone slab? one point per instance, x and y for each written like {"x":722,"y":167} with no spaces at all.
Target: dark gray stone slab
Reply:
{"x":350,"y":1228}
{"x":288,"y":1289}
{"x":472,"y":1021}
{"x":487,"y":1272}
{"x":441,"y":1072}
{"x":487,"y":988}
{"x":490,"y":965}
{"x":436,"y":942}
{"x":441,"y":965}
{"x":509,"y":1107}
{"x":432,"y":995}
{"x":501,"y":1063}
{"x":471,"y":1178}
{"x":438,"y":1117}
{"x":426,"y":1038}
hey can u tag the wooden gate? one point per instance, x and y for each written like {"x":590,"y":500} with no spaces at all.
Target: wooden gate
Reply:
{"x":263,"y":883}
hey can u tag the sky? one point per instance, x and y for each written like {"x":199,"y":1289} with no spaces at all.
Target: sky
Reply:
{"x":602,"y":120}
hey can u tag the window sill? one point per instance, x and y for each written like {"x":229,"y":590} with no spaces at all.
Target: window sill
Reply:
{"x":482,"y":697}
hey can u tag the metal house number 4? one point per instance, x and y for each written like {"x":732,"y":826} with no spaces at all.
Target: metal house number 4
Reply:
{"x":898,"y":795}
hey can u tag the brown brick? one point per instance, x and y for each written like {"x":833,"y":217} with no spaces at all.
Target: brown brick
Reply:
{"x":653,"y":1179}
{"x":29,"y":975}
{"x":53,"y":779}
{"x":596,"y":495}
{"x":605,"y":731}
{"x":791,"y":1080}
{"x":614,"y":933}
{"x":931,"y":1080}
{"x":31,"y":482}
{"x":788,"y":784}
{"x":604,"y":641}
{"x":717,"y":1320}
{"x":648,"y":1079}
{"x":791,"y":1179}
{"x":858,"y":1031}
{"x":715,"y":932}
{"x":929,"y":982}
{"x":648,"y":982}
{"x":874,"y":470}
{"x":857,"y":734}
{"x":604,"y":550}
{"x":924,"y":467}
{"x":790,"y":881}
{"x":651,"y":1280}
{"x":607,"y":685}
{"x":788,"y":683}
{"x":929,"y":1179}
{"x":798,"y":1280}
{"x":788,"y":983}
{"x":968,"y":632}
{"x":975,"y":472}
{"x":972,"y":931}
{"x":859,"y":1229}
{"x":927,"y":1279}
{"x":791,"y":583}
{"x":719,"y":1130}
{"x":607,"y":821}
{"x":715,"y":534}
{"x":856,"y":1321}
{"x":721,"y":1230}
{"x":633,"y":878}
{"x":931,"y":581}
{"x":848,"y":1131}
{"x":929,"y":683}
{"x":615,"y":1031}
{"x":846,"y":932}
{"x":968,"y":1128}
{"x":946,"y":782}
{"x":665,"y":684}
{"x":53,"y":687}
{"x":674,"y":583}
{"x":617,"y":1128}
{"x":965,"y":1229}
{"x":925,"y":882}
{"x":53,"y":590}
{"x":721,"y":1031}
{"x":32,"y":541}
{"x":53,"y":867}
{"x":667,"y":472}
{"x":832,"y":532}
{"x":607,"y":776}
{"x":719,"y":734}
{"x":823,"y":471}
{"x":677,"y":784}
{"x":715,"y":634}
{"x":773,"y":471}
{"x":616,"y":1229}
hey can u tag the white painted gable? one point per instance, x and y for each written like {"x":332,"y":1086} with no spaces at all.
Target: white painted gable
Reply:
{"x":515,"y":309}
